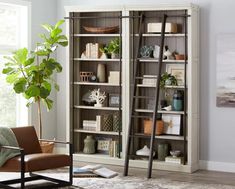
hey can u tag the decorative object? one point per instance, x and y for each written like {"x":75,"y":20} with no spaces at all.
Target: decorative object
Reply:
{"x":112,"y":29}
{"x":225,"y":77}
{"x":168,"y":54}
{"x":92,"y":50}
{"x":172,"y":124}
{"x":163,"y":104}
{"x":111,"y":49}
{"x":175,"y":153}
{"x":89,"y":145}
{"x":157,"y":27}
{"x":83,"y":55}
{"x":103,"y":56}
{"x":176,"y":160}
{"x":177,"y":102}
{"x":101,"y":73}
{"x":156,"y":51}
{"x":93,"y":78}
{"x":98,"y":96}
{"x":148,"y":127}
{"x":89,"y":125}
{"x":177,"y":71}
{"x":179,"y":57}
{"x":114,"y":100}
{"x":31,"y":72}
{"x":114,"y":77}
{"x":167,"y":108}
{"x":103,"y":145}
{"x":162,"y":151}
{"x":145,"y":151}
{"x":107,"y":122}
{"x":150,"y":80}
{"x":146,"y":51}
{"x":167,"y":79}
{"x":85,"y":76}
{"x":117,"y":122}
{"x":87,"y":100}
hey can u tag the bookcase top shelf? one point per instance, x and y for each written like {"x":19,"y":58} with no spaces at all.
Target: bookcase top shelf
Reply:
{"x":96,"y":132}
{"x":96,"y":60}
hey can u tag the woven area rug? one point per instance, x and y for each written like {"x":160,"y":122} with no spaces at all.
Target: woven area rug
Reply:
{"x":132,"y":182}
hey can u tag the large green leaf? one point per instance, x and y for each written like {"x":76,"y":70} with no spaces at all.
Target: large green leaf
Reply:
{"x":48,"y":102}
{"x":47,"y":27}
{"x":55,"y":32}
{"x":20,"y":85}
{"x":47,"y":85}
{"x":33,"y":91}
{"x":58,"y":67}
{"x":21,"y":55}
{"x":12,"y":78}
{"x":29,"y":61}
{"x":60,"y":22}
{"x":8,"y":70}
{"x":44,"y":93}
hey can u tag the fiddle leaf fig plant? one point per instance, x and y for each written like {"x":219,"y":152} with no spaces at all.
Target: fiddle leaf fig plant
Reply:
{"x":31,"y":72}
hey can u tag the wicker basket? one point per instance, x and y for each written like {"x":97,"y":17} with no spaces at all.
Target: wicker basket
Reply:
{"x":148,"y":127}
{"x":47,"y":147}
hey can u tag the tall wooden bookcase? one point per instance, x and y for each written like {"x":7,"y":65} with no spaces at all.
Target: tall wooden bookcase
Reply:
{"x":126,"y":18}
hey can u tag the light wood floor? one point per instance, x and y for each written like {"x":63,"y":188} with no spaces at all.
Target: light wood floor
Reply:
{"x":201,"y":176}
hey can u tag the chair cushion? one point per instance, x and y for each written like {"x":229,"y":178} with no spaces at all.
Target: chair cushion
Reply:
{"x":27,"y":139}
{"x":37,"y":162}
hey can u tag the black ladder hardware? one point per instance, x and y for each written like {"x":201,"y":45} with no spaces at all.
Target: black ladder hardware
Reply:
{"x":135,"y":96}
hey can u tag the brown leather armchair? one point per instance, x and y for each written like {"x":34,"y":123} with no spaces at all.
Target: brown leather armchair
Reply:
{"x":32,"y":159}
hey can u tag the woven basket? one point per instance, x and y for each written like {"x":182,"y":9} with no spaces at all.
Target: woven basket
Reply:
{"x":148,"y":127}
{"x":47,"y":147}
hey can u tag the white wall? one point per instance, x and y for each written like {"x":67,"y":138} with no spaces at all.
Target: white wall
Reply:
{"x":43,"y":11}
{"x":217,"y":125}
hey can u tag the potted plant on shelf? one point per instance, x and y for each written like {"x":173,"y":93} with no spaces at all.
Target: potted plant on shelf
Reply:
{"x":167,"y":79}
{"x":112,"y":49}
{"x":31,"y":72}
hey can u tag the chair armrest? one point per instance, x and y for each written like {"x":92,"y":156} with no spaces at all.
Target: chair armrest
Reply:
{"x":59,"y":142}
{"x":12,"y":148}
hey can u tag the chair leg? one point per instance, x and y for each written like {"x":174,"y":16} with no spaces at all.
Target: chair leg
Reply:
{"x":22,"y":170}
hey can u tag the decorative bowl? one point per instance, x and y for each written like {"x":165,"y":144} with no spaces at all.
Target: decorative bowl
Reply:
{"x":175,"y":153}
{"x":111,"y":29}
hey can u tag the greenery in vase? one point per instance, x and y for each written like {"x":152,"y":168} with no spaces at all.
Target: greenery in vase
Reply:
{"x":167,"y":79}
{"x":112,"y":47}
{"x":31,"y":73}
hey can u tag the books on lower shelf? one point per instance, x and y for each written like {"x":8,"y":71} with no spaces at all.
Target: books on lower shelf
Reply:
{"x":107,"y":146}
{"x":176,"y":160}
{"x":94,"y":171}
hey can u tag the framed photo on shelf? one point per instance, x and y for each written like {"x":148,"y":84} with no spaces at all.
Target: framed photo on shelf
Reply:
{"x":176,"y":70}
{"x":172,"y":124}
{"x":103,"y":145}
{"x":114,"y":100}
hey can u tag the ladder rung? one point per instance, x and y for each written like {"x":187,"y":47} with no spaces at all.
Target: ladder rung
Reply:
{"x":145,"y":77}
{"x":141,"y":116}
{"x":144,"y":97}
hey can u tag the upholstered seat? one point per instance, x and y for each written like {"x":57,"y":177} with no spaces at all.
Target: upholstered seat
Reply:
{"x":33,"y":158}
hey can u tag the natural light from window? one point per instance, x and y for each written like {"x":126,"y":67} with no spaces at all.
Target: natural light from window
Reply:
{"x":13,"y":35}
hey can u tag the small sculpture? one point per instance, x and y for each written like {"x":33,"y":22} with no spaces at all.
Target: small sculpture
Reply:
{"x":145,"y":151}
{"x":98,"y":96}
{"x":167,"y":54}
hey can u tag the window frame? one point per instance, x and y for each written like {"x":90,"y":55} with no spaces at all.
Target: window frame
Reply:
{"x":24,"y":41}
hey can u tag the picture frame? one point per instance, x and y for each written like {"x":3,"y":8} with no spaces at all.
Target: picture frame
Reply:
{"x":176,"y":70}
{"x":114,"y":100}
{"x":172,"y":124}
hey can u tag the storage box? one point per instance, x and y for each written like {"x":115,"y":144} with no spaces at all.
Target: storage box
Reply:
{"x":148,"y":127}
{"x":176,"y":160}
{"x":149,"y":80}
{"x":157,"y":28}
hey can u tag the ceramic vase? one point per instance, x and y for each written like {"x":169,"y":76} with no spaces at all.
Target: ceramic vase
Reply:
{"x":177,"y":102}
{"x":89,"y":145}
{"x":162,"y":151}
{"x":101,"y":73}
{"x":156,"y":51}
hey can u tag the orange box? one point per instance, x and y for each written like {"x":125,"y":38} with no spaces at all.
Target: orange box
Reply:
{"x":148,"y":127}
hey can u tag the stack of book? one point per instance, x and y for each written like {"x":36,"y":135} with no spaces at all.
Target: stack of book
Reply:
{"x":176,"y":160}
{"x":113,"y":148}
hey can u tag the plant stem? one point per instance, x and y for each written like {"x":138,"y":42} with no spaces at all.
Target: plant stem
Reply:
{"x":39,"y":119}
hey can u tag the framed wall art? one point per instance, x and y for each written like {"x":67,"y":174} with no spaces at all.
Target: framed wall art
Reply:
{"x":178,"y":71}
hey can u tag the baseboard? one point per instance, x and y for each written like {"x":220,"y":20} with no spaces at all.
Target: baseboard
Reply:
{"x":217,"y":166}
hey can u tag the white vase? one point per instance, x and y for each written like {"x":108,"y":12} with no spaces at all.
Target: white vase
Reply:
{"x":156,"y":51}
{"x":101,"y":74}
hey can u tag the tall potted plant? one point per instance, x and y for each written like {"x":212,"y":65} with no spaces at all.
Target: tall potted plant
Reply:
{"x":31,"y":72}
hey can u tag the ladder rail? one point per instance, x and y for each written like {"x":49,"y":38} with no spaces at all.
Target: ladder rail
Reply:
{"x":157,"y":90}
{"x":136,"y":70}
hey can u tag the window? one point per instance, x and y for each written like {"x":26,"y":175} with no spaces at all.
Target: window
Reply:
{"x":14,"y":32}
